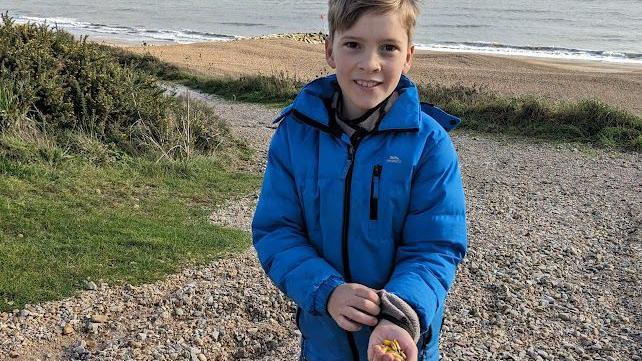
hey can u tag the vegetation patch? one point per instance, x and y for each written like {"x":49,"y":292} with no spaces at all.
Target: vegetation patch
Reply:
{"x":102,"y":175}
{"x":587,"y":121}
{"x":65,"y":219}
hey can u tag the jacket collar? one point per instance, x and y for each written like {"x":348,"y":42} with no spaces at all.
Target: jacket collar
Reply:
{"x":312,"y":102}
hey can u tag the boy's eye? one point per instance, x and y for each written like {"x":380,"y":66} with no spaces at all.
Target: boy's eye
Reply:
{"x":351,"y":44}
{"x":389,"y":48}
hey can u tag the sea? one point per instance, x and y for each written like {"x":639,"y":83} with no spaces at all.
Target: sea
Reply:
{"x":603,"y":30}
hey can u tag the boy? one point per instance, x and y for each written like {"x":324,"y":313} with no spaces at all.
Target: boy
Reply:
{"x":361,"y":218}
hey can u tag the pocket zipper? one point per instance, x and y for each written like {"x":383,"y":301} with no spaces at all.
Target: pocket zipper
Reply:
{"x":374,"y":192}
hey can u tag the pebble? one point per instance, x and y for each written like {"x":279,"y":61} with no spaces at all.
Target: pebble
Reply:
{"x":135,"y":344}
{"x":97,"y":318}
{"x":68,"y":329}
{"x":90,"y":286}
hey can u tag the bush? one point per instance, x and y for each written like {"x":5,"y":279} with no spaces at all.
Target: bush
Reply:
{"x":588,"y":121}
{"x":66,"y":86}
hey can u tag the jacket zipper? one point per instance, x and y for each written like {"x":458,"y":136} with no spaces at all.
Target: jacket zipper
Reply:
{"x":374,"y":192}
{"x":352,"y":148}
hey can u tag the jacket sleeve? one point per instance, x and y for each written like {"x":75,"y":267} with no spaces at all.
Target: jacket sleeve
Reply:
{"x":280,"y":238}
{"x":434,"y":234}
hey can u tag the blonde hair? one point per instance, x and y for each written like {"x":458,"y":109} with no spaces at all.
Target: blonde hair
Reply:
{"x":343,"y":14}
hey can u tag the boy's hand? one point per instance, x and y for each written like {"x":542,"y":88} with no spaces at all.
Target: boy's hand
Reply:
{"x":387,"y":330}
{"x":352,"y":305}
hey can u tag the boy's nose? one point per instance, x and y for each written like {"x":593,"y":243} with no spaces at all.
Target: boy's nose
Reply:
{"x":370,"y":63}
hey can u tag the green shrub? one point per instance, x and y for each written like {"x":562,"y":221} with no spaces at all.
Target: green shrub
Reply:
{"x":96,"y":100}
{"x":147,"y":63}
{"x":589,"y":120}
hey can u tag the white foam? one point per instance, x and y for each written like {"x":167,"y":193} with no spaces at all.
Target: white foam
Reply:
{"x":542,"y":52}
{"x":74,"y":26}
{"x":188,"y":36}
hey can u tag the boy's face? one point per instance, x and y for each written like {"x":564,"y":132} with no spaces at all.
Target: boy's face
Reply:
{"x":369,"y":59}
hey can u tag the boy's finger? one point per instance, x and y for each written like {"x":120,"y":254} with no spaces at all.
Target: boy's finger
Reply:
{"x":360,"y":317}
{"x":378,"y":353}
{"x":388,"y":357}
{"x":367,"y":293}
{"x":371,"y":349}
{"x":409,"y":347}
{"x":365,"y":305}
{"x":347,"y":324}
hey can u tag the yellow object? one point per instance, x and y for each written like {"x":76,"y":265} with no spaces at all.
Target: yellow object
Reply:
{"x":392,"y":347}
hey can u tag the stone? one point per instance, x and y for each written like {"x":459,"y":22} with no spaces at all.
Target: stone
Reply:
{"x":92,"y":328}
{"x":98,"y":318}
{"x":90,"y":285}
{"x":135,"y":344}
{"x":68,"y":329}
{"x":544,"y":354}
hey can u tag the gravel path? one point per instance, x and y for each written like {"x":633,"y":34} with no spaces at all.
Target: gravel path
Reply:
{"x":553,"y":272}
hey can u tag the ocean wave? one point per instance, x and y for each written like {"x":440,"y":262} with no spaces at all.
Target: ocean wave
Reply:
{"x":459,"y":26}
{"x":535,"y":51}
{"x":184,"y":36}
{"x":242,"y":24}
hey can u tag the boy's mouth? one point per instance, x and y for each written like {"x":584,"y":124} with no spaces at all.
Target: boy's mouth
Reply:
{"x":367,"y":83}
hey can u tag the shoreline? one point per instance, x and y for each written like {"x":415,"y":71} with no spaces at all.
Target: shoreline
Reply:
{"x":318,"y":38}
{"x":555,"y":79}
{"x":596,"y":65}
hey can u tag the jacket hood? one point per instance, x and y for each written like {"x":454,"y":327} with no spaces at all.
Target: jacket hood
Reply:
{"x":405,"y":114}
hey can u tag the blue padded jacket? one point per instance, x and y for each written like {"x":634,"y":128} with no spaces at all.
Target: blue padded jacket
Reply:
{"x":386,"y":211}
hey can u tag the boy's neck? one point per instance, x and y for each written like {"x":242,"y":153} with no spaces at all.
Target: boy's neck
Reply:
{"x":355,"y":117}
{"x":368,"y":121}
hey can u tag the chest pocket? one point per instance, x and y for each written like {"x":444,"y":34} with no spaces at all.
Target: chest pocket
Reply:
{"x":388,"y":201}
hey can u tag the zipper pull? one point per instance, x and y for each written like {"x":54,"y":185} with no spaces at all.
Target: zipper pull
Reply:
{"x":375,"y":187}
{"x":349,"y":161}
{"x":376,"y":172}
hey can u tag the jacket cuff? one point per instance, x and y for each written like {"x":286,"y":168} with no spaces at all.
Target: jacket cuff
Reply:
{"x":322,"y":294}
{"x":397,"y":311}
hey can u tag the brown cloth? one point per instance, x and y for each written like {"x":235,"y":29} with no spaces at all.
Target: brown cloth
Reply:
{"x":397,"y":311}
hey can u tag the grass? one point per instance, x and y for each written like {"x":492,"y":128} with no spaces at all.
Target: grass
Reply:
{"x":274,"y":90}
{"x":588,"y":121}
{"x":65,"y":219}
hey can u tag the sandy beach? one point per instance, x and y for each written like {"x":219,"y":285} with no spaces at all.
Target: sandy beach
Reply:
{"x":618,"y":84}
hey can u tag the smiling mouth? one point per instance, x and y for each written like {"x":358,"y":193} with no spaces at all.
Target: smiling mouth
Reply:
{"x":367,"y":83}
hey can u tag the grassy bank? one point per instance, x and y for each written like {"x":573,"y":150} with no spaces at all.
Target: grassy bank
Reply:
{"x":103,"y":176}
{"x":66,"y":219}
{"x":588,"y":121}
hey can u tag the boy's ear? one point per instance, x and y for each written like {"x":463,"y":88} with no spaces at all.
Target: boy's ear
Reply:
{"x":329,"y":56}
{"x":408,"y":63}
